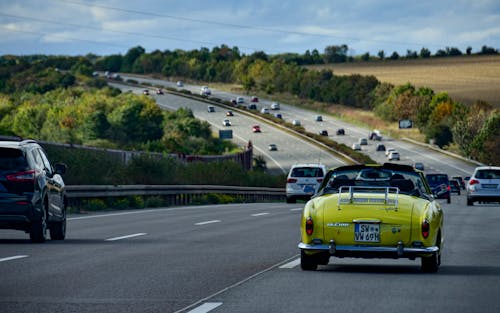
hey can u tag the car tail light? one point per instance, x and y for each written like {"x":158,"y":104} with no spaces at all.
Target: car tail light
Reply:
{"x":473,"y":182}
{"x":448,"y":188}
{"x":426,"y":228}
{"x":309,"y":226}
{"x":291,"y":180}
{"x":320,"y":180}
{"x":22,"y":176}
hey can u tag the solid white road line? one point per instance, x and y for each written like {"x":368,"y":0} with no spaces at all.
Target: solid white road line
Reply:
{"x":207,"y":222}
{"x":206,"y":307}
{"x":292,"y":264}
{"x":297,"y":209}
{"x":15,"y":257}
{"x":260,"y":214}
{"x":125,"y":237}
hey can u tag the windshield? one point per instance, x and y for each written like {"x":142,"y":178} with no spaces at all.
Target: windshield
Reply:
{"x":407,"y":182}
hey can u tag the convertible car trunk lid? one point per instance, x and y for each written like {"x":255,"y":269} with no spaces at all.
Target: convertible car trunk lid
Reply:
{"x":368,"y":220}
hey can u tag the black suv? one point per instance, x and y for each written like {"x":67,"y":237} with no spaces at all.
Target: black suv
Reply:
{"x":440,"y":185}
{"x":32,"y":192}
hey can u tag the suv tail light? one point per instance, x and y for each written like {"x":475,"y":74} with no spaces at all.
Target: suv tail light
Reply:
{"x":291,"y":180}
{"x":426,"y":228}
{"x":22,"y":176}
{"x":309,"y":226}
{"x":473,"y":182}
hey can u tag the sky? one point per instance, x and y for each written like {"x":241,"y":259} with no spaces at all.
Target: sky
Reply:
{"x":79,"y":27}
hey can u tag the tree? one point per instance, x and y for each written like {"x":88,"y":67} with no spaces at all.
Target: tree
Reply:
{"x":336,"y":54}
{"x":381,"y":54}
{"x":425,"y":53}
{"x":394,"y":56}
{"x":130,"y":57}
{"x":365,"y":56}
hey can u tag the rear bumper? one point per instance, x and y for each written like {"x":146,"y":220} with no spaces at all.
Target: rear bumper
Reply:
{"x":365,"y":251}
{"x":14,"y":215}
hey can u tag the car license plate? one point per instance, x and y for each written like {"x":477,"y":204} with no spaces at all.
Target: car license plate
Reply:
{"x":489,"y":186}
{"x":364,"y":232}
{"x":308,"y":188}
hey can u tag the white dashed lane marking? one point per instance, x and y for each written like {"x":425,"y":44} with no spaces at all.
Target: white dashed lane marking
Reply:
{"x":207,"y":222}
{"x":15,"y":257}
{"x":206,"y":307}
{"x":126,"y":236}
{"x":260,"y":214}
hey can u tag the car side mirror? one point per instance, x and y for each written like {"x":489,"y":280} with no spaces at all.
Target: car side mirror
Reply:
{"x":60,"y":168}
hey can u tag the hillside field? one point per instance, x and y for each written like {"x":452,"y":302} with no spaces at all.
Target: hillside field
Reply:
{"x":465,"y":78}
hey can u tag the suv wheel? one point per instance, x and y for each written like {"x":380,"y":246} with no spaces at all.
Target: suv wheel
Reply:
{"x":58,"y":229}
{"x":39,"y":228}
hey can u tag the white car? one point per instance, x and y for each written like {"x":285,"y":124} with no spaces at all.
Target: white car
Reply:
{"x":484,"y":185}
{"x":275,"y":106}
{"x":180,"y":84}
{"x":303,"y":181}
{"x":296,"y":122}
{"x":393,"y":155}
{"x":240,"y":100}
{"x":264,"y":111}
{"x":226,"y":123}
{"x":205,"y":91}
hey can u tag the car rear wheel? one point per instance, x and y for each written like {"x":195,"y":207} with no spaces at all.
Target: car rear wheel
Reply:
{"x":290,"y":200}
{"x":470,"y":202}
{"x":449,"y":199}
{"x":39,"y":228}
{"x":307,"y":262}
{"x":58,"y":229}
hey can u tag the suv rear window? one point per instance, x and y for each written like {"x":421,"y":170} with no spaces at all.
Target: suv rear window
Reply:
{"x":307,"y":172}
{"x":12,"y":159}
{"x":488,"y":174}
{"x":437,"y":179}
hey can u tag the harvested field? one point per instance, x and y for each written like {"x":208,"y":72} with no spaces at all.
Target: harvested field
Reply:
{"x":465,"y":78}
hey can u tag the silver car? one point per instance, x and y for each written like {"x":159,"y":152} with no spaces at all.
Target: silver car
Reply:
{"x":484,"y":185}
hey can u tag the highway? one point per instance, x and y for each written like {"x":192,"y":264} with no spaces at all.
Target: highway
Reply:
{"x":434,"y":161}
{"x":239,"y":258}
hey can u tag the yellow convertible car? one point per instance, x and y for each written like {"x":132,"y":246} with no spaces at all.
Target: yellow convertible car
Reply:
{"x":372,"y":211}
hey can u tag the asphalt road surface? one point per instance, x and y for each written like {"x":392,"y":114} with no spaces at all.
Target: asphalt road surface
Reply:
{"x":239,"y":258}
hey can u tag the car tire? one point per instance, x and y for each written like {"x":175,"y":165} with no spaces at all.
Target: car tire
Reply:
{"x":290,"y":200}
{"x":470,"y":202}
{"x":448,"y":200}
{"x":459,"y":192}
{"x":431,"y":264}
{"x":307,"y":262}
{"x":39,"y":228}
{"x":58,"y":229}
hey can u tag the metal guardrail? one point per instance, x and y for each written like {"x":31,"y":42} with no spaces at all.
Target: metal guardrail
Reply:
{"x":172,"y":194}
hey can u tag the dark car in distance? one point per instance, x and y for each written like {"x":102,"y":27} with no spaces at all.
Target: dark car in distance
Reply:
{"x":440,"y":185}
{"x":455,"y":186}
{"x":32,"y":192}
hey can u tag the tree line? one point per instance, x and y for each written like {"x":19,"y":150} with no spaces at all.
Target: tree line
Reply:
{"x":474,"y":129}
{"x":61,"y":104}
